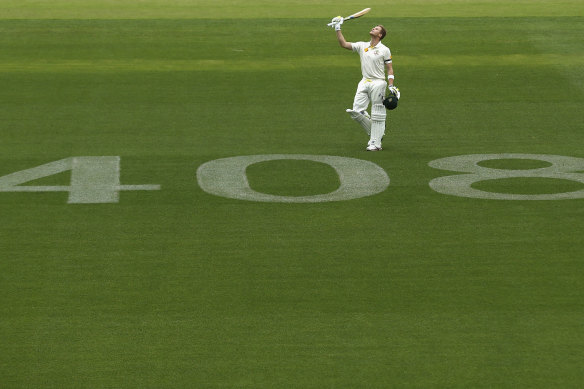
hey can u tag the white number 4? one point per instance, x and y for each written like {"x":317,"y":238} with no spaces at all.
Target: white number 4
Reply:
{"x":93,"y":179}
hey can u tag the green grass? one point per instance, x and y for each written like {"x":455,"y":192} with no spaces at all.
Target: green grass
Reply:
{"x":243,"y":9}
{"x":292,"y":178}
{"x":180,"y":288}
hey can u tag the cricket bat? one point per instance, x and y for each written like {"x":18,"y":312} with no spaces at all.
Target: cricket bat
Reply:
{"x":355,"y":15}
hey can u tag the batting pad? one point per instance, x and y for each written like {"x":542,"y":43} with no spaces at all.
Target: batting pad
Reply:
{"x":378,"y":115}
{"x":363,"y":120}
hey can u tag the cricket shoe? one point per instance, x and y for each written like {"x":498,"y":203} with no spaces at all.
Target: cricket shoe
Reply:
{"x":373,"y":147}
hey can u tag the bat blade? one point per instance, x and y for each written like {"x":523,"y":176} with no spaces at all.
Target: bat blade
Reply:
{"x":358,"y":14}
{"x":355,"y":15}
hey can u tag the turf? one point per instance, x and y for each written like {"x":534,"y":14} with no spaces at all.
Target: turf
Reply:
{"x":181,"y":288}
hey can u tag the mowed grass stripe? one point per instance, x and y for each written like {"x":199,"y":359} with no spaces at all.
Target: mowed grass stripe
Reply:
{"x":265,"y":64}
{"x":238,"y":9}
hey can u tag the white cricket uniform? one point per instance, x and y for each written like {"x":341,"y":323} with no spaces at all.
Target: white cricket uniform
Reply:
{"x":372,"y":87}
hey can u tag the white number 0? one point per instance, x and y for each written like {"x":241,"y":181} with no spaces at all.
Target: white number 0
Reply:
{"x":226,"y":178}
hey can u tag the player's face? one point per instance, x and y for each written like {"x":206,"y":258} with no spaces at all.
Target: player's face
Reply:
{"x":375,"y":31}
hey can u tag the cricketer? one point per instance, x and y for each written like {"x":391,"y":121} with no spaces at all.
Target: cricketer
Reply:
{"x":375,"y":63}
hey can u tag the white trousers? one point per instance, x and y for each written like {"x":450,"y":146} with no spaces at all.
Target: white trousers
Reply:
{"x":372,"y":91}
{"x":369,"y":91}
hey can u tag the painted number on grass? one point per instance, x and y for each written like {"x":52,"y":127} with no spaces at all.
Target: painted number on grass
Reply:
{"x":97,"y":179}
{"x":226,"y":178}
{"x":93,"y":179}
{"x":566,"y":168}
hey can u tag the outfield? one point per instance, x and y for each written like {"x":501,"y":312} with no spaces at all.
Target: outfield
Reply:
{"x":121,"y":268}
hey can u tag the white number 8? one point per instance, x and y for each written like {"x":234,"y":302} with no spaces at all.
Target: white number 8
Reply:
{"x":566,"y":168}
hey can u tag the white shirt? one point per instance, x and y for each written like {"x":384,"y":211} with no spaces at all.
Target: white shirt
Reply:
{"x":373,"y":59}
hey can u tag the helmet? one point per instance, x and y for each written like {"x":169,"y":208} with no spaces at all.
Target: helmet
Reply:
{"x":390,"y":102}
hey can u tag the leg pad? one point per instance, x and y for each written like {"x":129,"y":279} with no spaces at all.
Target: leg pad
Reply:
{"x":378,"y":116}
{"x":362,"y":119}
{"x":378,"y":112}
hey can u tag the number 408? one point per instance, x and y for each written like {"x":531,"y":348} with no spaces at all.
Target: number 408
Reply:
{"x":97,"y":179}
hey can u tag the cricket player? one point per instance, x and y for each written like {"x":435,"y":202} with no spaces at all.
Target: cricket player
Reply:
{"x":375,"y":63}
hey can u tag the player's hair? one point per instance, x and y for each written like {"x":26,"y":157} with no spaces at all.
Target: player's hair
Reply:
{"x":383,"y":31}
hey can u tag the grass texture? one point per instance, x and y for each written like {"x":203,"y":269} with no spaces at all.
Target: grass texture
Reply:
{"x":181,"y":288}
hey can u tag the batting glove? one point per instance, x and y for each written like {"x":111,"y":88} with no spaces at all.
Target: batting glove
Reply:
{"x":336,"y":22}
{"x":394,"y":90}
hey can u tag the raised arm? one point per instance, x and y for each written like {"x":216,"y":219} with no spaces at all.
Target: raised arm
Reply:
{"x":342,"y":41}
{"x":336,"y":23}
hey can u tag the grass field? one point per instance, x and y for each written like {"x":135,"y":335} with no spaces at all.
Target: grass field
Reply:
{"x":176,"y":287}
